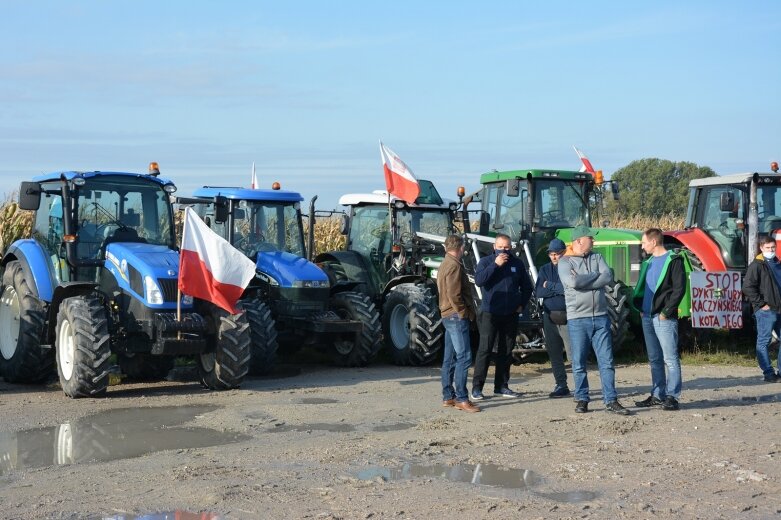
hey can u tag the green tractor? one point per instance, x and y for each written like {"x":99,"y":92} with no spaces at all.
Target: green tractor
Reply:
{"x":533,"y":207}
{"x":386,"y":260}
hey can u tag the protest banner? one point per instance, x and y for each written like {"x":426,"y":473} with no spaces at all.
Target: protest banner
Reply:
{"x":717,"y":300}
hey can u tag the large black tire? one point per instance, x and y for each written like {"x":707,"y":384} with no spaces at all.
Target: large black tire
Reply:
{"x":354,"y":306}
{"x":227,"y":365}
{"x":83,"y":346}
{"x":264,"y":336}
{"x":617,"y":297}
{"x":22,"y":360}
{"x":145,"y":367}
{"x":411,"y":325}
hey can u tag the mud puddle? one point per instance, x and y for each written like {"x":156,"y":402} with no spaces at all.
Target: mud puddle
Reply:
{"x":484,"y":475}
{"x":167,"y":515}
{"x":318,"y":400}
{"x":327,"y":427}
{"x":110,"y":435}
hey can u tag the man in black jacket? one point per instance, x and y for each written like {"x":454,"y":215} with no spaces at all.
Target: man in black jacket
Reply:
{"x":554,"y":316}
{"x":506,"y":290}
{"x":761,"y":287}
{"x":658,"y":293}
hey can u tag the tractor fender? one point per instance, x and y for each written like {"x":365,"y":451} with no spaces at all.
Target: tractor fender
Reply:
{"x":61,"y":292}
{"x":354,"y":271}
{"x":409,"y":278}
{"x":699,"y":243}
{"x":36,"y":265}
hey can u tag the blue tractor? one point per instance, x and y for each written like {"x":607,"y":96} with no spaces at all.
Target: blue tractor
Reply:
{"x":99,"y":277}
{"x":290,"y":301}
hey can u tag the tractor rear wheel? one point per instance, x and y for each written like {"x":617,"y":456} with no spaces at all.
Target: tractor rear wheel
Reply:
{"x":357,"y":352}
{"x":411,"y":325}
{"x":83,"y":346}
{"x":145,"y":367}
{"x":264,"y":336}
{"x":22,"y":360}
{"x":617,"y":297}
{"x":228,"y":363}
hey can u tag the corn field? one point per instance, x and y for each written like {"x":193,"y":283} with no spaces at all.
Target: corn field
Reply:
{"x":16,"y":224}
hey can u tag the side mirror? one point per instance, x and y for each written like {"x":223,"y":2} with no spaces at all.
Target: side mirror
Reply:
{"x":614,"y":189}
{"x":512,"y":187}
{"x":345,"y":228}
{"x":30,"y":196}
{"x":727,"y":201}
{"x":220,"y":209}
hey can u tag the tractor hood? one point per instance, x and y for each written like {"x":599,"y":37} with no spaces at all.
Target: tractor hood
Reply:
{"x":289,"y":270}
{"x":146,"y":271}
{"x":151,"y":260}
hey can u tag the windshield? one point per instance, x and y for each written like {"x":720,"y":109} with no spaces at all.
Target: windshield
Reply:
{"x":769,"y":208}
{"x":267,"y":227}
{"x":410,"y":221}
{"x":559,"y":204}
{"x":369,"y":230}
{"x":122,"y":209}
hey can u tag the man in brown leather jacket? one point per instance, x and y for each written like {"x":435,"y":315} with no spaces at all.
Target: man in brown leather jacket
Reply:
{"x":457,"y":311}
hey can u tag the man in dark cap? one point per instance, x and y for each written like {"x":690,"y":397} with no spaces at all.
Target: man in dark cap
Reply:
{"x":554,"y":316}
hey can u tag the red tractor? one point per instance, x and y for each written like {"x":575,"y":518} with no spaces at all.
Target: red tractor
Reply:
{"x":726,"y":217}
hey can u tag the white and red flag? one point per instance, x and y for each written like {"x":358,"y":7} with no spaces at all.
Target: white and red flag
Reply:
{"x":586,"y":163}
{"x":253,"y":184}
{"x":399,"y":179}
{"x":210,"y":268}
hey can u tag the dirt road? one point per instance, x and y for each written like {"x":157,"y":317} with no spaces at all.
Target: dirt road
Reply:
{"x":321,"y":442}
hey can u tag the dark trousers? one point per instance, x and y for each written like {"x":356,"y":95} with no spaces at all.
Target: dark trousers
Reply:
{"x":499,"y":329}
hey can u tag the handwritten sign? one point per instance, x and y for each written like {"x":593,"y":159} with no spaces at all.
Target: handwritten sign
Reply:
{"x":717,"y":301}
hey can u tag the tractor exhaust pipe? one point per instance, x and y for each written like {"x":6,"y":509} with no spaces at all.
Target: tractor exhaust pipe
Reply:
{"x":310,"y":247}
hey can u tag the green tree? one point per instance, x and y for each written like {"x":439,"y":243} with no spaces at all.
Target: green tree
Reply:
{"x":656,"y":187}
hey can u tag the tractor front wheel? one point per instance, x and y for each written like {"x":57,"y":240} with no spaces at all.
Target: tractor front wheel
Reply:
{"x":227,"y":364}
{"x":83,"y":347}
{"x":264,"y":336}
{"x":357,"y":352}
{"x":411,"y":325}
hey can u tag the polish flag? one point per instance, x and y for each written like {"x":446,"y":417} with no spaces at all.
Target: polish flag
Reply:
{"x":254,"y":179}
{"x":399,"y":179}
{"x":586,"y":163}
{"x":210,"y":268}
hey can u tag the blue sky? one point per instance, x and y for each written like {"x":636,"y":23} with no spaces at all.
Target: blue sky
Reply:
{"x":306,"y":89}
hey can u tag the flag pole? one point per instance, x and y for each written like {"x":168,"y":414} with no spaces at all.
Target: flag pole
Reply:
{"x":178,"y":288}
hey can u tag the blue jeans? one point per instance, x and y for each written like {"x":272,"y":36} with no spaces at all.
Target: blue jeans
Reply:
{"x":661,"y":343}
{"x":767,"y":322}
{"x":457,"y":358}
{"x":585,"y":334}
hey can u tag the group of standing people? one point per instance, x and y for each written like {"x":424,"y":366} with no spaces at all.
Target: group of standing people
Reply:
{"x":575,"y":319}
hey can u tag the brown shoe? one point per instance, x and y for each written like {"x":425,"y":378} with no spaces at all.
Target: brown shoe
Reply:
{"x":467,"y":406}
{"x":447,"y":403}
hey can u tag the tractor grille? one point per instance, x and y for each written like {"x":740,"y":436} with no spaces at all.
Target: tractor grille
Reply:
{"x":170,"y":288}
{"x":299,"y":302}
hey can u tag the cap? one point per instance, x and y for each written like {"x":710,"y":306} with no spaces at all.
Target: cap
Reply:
{"x":556,"y":246}
{"x":581,"y":231}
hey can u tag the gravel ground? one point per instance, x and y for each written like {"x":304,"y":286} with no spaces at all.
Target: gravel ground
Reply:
{"x":323,"y":442}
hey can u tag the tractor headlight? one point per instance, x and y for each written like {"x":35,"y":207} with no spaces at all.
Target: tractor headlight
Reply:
{"x":187,"y":299}
{"x":313,"y":284}
{"x":154,"y":295}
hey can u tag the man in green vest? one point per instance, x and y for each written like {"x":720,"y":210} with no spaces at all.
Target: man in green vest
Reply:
{"x":658,"y":293}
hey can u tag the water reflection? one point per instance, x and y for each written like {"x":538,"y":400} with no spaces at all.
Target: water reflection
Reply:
{"x":110,"y":435}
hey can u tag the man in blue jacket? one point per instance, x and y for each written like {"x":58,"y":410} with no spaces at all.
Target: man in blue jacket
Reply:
{"x":554,"y":316}
{"x":506,"y":289}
